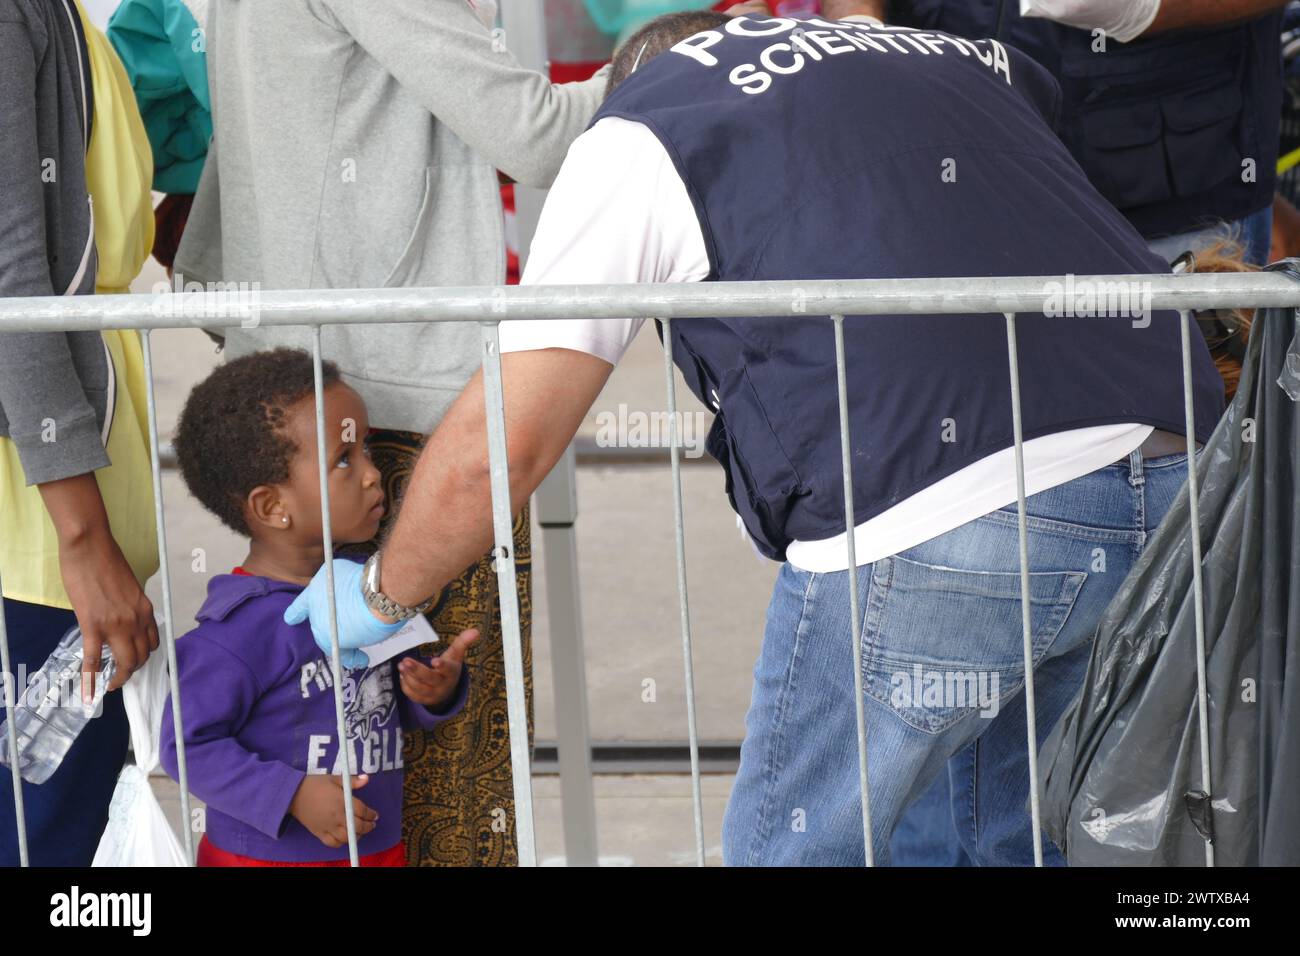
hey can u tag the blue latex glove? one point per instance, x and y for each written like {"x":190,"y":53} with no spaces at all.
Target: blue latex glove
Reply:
{"x":357,"y":625}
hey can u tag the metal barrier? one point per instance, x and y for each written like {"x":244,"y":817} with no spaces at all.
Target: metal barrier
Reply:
{"x":800,"y":301}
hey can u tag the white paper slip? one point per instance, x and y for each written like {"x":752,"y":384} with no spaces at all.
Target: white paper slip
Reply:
{"x":417,"y":631}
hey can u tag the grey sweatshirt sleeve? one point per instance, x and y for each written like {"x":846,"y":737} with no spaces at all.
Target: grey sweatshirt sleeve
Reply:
{"x":24,"y":269}
{"x":50,"y":419}
{"x":42,"y":401}
{"x":514,"y":117}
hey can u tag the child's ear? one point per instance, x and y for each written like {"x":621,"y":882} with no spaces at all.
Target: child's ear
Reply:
{"x":267,"y":509}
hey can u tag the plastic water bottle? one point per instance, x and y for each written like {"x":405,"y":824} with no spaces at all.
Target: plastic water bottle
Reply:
{"x":50,"y":714}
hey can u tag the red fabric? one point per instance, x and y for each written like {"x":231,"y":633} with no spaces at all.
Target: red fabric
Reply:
{"x":212,"y":855}
{"x":169,"y":223}
{"x":240,"y":571}
{"x":575,"y":72}
{"x":512,"y":254}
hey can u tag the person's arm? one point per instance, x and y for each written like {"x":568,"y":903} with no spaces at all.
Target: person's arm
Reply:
{"x":110,"y":606}
{"x":51,"y":422}
{"x":839,"y":9}
{"x":218,"y":692}
{"x":1286,"y":230}
{"x":1182,"y":14}
{"x":24,"y":269}
{"x":468,"y":79}
{"x":618,"y":212}
{"x":445,"y":522}
{"x":1126,"y":20}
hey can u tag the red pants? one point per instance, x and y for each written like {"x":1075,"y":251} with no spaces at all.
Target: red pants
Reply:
{"x":212,"y":855}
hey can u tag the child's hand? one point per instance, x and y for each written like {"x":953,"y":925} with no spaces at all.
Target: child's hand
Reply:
{"x":318,"y":805}
{"x":434,"y":685}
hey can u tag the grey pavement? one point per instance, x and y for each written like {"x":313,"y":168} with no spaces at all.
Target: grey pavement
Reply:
{"x":630,"y":618}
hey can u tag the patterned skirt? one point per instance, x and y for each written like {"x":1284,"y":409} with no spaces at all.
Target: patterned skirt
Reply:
{"x":459,"y":804}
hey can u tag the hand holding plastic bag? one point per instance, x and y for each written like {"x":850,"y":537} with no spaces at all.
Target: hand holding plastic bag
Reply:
{"x":138,"y":833}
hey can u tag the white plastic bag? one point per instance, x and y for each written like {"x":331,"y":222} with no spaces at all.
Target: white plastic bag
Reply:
{"x":1122,"y":20}
{"x":138,"y":833}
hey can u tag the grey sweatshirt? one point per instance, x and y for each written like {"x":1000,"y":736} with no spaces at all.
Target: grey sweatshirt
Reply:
{"x":54,"y":386}
{"x":356,"y":144}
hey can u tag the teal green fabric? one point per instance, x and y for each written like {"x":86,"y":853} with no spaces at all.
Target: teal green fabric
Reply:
{"x":164,"y":51}
{"x":620,"y":17}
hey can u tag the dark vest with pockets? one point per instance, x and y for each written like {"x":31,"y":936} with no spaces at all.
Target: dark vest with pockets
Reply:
{"x":892,"y":157}
{"x":1162,"y":124}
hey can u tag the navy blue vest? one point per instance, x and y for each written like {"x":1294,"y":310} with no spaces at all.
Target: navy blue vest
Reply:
{"x":1161,"y":125}
{"x":893,"y":156}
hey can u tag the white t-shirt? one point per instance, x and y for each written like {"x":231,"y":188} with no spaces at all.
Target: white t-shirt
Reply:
{"x":619,"y":212}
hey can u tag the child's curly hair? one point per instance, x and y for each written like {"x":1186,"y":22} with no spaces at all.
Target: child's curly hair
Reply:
{"x":231,"y":437}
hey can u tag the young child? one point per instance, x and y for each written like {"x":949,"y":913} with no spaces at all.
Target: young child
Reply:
{"x":258,"y":694}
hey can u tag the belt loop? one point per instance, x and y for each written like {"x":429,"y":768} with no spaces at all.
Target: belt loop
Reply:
{"x":1136,"y":477}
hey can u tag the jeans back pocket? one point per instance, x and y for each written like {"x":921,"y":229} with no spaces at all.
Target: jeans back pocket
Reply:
{"x":942,"y":643}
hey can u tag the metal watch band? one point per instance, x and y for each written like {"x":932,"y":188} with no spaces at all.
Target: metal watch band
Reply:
{"x":380,"y":601}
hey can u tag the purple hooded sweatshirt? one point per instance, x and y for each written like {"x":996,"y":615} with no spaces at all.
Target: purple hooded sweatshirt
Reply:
{"x":258,"y":710}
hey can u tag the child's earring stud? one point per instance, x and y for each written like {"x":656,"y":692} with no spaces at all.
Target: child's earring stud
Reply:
{"x":285,"y":519}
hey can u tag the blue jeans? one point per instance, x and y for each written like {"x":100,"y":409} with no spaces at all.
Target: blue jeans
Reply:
{"x":1254,"y":232}
{"x":942,"y":674}
{"x":67,"y":814}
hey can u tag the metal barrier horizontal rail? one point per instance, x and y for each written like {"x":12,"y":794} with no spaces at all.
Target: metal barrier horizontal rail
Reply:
{"x":799,"y":300}
{"x":820,"y":297}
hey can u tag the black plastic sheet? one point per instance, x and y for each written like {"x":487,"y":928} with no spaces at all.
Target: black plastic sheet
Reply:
{"x":1122,"y":781}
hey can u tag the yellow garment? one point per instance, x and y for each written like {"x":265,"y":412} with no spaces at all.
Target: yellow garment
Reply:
{"x":119,"y":168}
{"x":29,"y":547}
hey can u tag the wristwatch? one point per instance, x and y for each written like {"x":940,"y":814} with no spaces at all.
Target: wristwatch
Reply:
{"x":381,"y":602}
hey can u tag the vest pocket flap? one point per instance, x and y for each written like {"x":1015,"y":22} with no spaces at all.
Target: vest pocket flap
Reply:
{"x":1193,"y":111}
{"x":1203,"y":138}
{"x":1122,"y":127}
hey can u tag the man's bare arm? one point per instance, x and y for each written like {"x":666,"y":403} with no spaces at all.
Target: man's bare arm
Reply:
{"x":839,"y":9}
{"x":1181,"y":14}
{"x":445,"y":521}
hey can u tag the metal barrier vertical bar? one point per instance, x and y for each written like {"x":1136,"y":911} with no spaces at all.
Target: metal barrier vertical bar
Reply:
{"x":164,"y":568}
{"x":555,"y":503}
{"x":508,"y":593}
{"x":1198,"y":588}
{"x":1031,"y":713}
{"x":327,"y":532}
{"x":11,"y":691}
{"x":850,"y":524}
{"x":683,"y":598}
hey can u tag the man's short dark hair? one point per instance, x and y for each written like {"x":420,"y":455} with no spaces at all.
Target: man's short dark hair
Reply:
{"x":231,"y":436}
{"x":660,"y":34}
